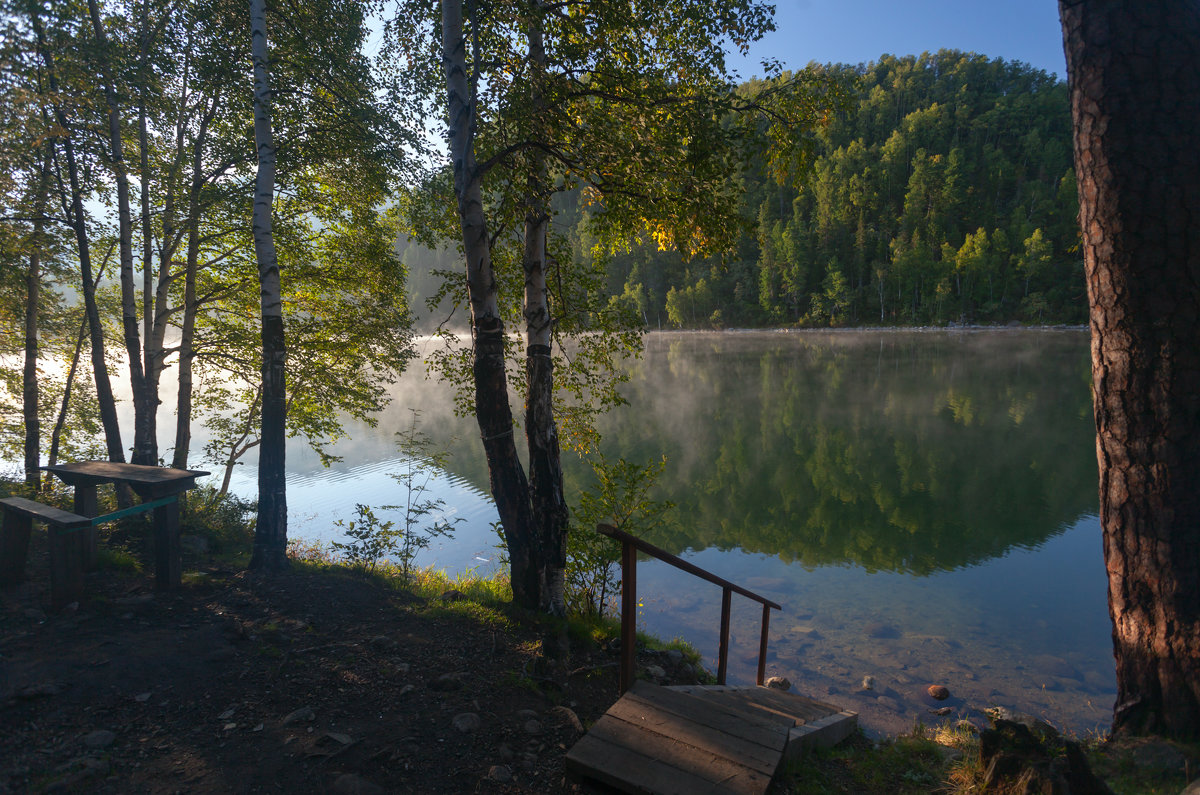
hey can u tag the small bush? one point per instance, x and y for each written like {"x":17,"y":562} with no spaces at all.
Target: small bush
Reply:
{"x":225,"y":520}
{"x":370,"y":539}
{"x":621,"y":498}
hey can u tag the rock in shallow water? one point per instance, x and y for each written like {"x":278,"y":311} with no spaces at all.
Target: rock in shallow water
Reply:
{"x":881,"y":631}
{"x":939,"y":692}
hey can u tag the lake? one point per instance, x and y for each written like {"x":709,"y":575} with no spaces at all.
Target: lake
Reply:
{"x":921,"y":503}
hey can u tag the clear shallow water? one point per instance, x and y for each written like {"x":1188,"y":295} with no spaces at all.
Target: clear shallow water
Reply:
{"x":922,"y":504}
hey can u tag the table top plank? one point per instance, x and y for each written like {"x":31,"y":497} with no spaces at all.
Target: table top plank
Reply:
{"x":95,"y":472}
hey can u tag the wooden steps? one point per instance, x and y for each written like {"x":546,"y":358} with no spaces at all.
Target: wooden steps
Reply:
{"x":701,"y":739}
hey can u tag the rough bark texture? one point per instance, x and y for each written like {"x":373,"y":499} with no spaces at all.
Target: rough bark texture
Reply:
{"x":183,"y":412}
{"x":143,"y":413}
{"x":541,"y":431}
{"x":104,"y":394}
{"x":29,"y":385}
{"x":183,"y":407}
{"x":270,"y":532}
{"x":509,"y":487}
{"x":1134,"y":75}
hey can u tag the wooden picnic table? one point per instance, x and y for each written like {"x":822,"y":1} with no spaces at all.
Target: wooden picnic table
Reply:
{"x":74,"y":535}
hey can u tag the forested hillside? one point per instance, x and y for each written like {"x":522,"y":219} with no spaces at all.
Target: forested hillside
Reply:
{"x":945,"y":195}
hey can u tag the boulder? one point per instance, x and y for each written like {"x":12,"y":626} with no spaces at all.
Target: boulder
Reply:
{"x":1015,"y":759}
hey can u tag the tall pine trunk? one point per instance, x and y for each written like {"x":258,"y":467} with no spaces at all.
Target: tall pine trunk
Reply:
{"x":541,"y":432}
{"x":1134,"y":79}
{"x":270,"y":532}
{"x":510,"y":490}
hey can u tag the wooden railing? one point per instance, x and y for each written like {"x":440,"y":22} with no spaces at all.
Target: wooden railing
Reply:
{"x":630,"y":546}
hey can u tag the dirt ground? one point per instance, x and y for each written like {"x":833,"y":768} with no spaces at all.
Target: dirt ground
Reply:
{"x":302,"y":682}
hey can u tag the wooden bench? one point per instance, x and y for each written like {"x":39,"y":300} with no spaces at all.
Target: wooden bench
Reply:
{"x":73,"y":534}
{"x":69,"y":535}
{"x":66,"y":546}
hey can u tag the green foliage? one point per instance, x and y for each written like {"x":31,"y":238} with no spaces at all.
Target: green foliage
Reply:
{"x":620,"y":497}
{"x":348,"y":335}
{"x":422,"y":519}
{"x":885,"y":226}
{"x":908,"y":764}
{"x":371,"y":539}
{"x":642,"y":131}
{"x":225,"y":520}
{"x":110,"y":558}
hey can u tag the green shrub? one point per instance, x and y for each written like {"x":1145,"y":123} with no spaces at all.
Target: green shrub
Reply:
{"x":117,"y":559}
{"x":226,"y":521}
{"x":620,"y":498}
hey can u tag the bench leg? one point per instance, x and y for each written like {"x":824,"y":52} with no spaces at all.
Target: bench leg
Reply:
{"x":168,"y":567}
{"x":14,"y":547}
{"x":66,"y":566}
{"x":89,"y":537}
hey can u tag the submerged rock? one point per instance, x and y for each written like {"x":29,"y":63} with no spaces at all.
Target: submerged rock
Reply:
{"x":880,"y":630}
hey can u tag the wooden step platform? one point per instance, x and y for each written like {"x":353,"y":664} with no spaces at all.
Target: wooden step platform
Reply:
{"x":701,"y":739}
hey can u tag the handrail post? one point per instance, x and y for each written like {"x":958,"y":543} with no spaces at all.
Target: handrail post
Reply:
{"x":762,"y":646}
{"x":628,"y":613}
{"x":723,"y":654}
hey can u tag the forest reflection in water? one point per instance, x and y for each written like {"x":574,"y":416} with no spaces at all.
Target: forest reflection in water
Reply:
{"x":921,"y":503}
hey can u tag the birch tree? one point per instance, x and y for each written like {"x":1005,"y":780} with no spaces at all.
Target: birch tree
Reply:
{"x":270,"y":532}
{"x":634,"y":107}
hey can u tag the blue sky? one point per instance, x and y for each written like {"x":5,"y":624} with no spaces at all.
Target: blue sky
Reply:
{"x":857,"y":31}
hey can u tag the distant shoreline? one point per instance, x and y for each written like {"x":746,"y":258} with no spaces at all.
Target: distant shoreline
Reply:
{"x":851,"y":329}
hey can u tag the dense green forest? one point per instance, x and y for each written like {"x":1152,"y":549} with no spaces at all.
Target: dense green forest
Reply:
{"x":944,"y":194}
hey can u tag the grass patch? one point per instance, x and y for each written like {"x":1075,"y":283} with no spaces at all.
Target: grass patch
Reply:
{"x":225,"y":521}
{"x":1137,"y":766}
{"x":112,"y":558}
{"x":912,"y":763}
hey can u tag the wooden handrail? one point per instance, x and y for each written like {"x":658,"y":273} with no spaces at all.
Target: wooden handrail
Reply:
{"x":630,"y":546}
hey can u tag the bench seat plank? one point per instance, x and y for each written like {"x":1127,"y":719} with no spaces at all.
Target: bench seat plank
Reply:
{"x":44,"y":513}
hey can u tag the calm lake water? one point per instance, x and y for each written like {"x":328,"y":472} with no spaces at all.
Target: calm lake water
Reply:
{"x":922,"y":505}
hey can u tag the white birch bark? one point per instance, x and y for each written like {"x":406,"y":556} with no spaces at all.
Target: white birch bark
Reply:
{"x":509,"y":486}
{"x":270,"y":535}
{"x":541,"y":430}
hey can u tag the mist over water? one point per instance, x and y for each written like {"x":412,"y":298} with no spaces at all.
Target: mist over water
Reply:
{"x":922,"y":504}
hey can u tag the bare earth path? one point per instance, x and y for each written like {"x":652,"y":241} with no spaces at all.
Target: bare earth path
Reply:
{"x":307,"y":682}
